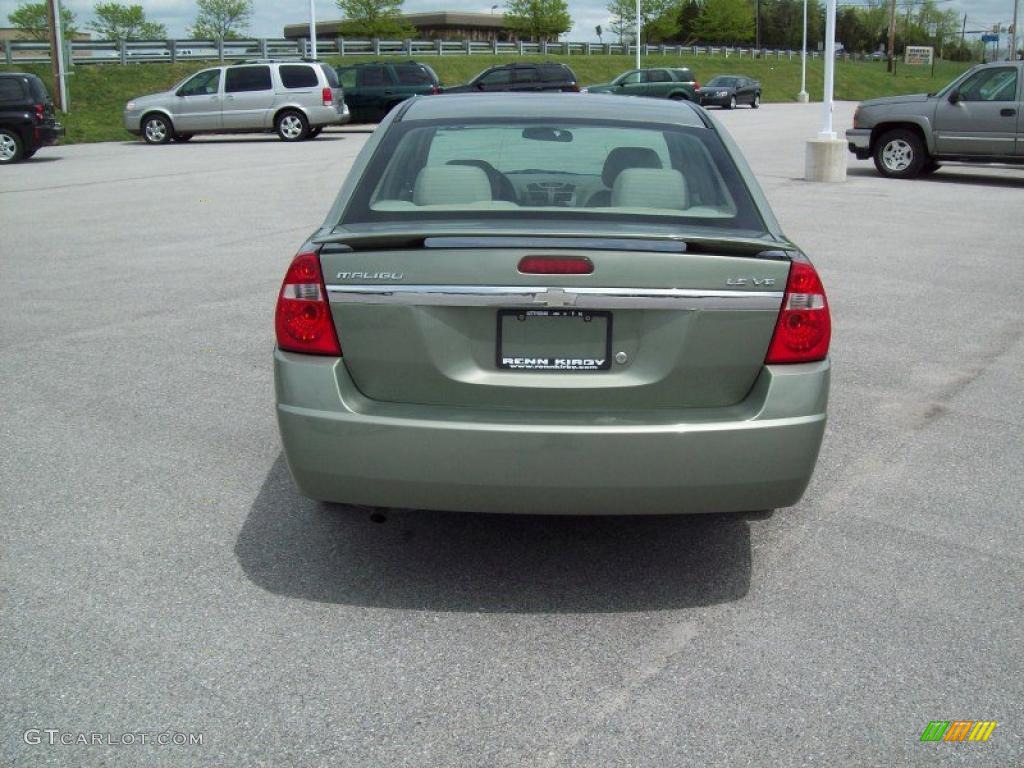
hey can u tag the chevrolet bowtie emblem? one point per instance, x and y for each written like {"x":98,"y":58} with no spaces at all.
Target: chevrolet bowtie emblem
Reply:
{"x":555,"y":297}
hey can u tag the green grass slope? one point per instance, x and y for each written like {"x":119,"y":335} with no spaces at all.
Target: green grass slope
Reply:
{"x":98,"y":92}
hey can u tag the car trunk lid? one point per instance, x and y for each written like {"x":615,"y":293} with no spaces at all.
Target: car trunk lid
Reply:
{"x":654,"y":324}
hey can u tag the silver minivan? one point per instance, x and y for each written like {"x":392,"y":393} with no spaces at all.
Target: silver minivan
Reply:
{"x":296,"y":99}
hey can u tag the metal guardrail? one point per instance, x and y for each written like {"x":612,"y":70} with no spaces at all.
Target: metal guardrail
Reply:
{"x":127,"y":52}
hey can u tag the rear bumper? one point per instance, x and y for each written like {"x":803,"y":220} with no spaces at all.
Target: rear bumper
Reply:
{"x":48,"y":135}
{"x":342,"y":447}
{"x":334,"y":115}
{"x":859,"y":142}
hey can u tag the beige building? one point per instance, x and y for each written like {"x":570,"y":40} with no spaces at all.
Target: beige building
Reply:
{"x":442,"y":25}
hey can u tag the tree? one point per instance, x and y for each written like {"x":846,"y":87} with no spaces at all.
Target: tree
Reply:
{"x":115,"y":21}
{"x":726,"y":21}
{"x":538,"y":19}
{"x":221,"y":19}
{"x":658,"y":19}
{"x":33,"y":20}
{"x":687,"y":22}
{"x":599,"y":32}
{"x":373,"y":18}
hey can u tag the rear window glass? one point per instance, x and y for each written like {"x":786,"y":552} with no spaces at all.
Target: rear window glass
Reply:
{"x":525,"y":75}
{"x":38,"y":90}
{"x":685,"y":75}
{"x":569,"y":169}
{"x":298,"y":76}
{"x":552,"y":74}
{"x":413,"y":75}
{"x":329,"y":73}
{"x":247,"y":79}
{"x":11,"y":90}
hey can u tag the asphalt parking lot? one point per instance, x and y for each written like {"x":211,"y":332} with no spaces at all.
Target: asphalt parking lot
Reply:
{"x":162,"y":575}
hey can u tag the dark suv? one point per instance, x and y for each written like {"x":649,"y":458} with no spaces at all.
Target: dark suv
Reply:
{"x":26,"y":117}
{"x":373,"y":89}
{"x":521,"y":77}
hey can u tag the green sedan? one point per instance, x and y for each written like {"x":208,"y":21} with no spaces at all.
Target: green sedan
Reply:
{"x":677,"y":84}
{"x":530,"y":303}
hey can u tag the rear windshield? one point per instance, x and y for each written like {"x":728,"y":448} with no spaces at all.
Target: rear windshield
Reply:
{"x":570,"y":169}
{"x":413,"y":74}
{"x":38,"y":90}
{"x":330,"y":74}
{"x":724,"y":82}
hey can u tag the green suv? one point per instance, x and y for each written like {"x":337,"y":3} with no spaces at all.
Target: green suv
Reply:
{"x":677,"y":84}
{"x":525,"y":303}
{"x":373,"y":89}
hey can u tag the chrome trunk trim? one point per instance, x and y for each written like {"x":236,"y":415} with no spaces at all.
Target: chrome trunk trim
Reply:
{"x":551,"y":297}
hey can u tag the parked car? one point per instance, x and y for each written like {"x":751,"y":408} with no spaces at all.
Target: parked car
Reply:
{"x":26,"y":117}
{"x":978,"y":117}
{"x":548,"y":76}
{"x":663,"y":83}
{"x":517,"y":305}
{"x":729,"y":91}
{"x":297,"y":99}
{"x":373,"y":89}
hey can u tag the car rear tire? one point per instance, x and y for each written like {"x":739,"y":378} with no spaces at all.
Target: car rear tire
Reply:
{"x":292,"y":126}
{"x":900,"y":154}
{"x":678,"y":97}
{"x":11,"y":147}
{"x":182,"y":137}
{"x":756,"y":102}
{"x":157,"y":129}
{"x":927,"y":170}
{"x":732,"y":103}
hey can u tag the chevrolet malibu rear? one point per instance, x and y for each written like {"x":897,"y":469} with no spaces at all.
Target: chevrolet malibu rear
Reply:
{"x":529,"y":304}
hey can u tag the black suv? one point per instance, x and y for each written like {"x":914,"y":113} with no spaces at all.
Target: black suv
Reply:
{"x":521,"y":77}
{"x":26,"y":117}
{"x":372,"y":89}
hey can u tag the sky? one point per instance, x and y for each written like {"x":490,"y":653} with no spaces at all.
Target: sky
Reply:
{"x":270,"y":16}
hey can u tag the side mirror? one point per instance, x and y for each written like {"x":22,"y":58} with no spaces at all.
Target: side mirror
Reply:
{"x":954,"y":96}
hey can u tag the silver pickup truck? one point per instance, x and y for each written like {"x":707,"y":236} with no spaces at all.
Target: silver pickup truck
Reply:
{"x":977,"y":118}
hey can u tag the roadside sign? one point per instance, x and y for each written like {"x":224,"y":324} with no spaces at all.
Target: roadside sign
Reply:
{"x":990,"y":38}
{"x":919,"y":54}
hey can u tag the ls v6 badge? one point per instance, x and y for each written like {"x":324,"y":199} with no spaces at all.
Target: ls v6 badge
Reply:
{"x":750,"y":281}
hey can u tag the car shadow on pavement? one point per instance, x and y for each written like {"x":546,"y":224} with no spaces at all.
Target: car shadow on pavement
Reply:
{"x":956,"y":175}
{"x":440,"y":561}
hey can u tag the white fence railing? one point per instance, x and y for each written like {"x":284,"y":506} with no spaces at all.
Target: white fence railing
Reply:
{"x":126,"y":52}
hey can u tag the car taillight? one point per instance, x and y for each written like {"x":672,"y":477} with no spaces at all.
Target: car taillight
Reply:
{"x":434,"y":90}
{"x":696,"y":85}
{"x":40,"y":111}
{"x":574,"y":87}
{"x":303,"y":319}
{"x":550,"y":265}
{"x":328,"y":97}
{"x":804,"y":327}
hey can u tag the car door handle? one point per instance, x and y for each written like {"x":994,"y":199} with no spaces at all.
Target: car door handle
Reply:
{"x":1007,"y":112}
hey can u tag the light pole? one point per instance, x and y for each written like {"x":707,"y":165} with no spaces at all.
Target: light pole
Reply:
{"x":830,"y":65}
{"x":825,"y":158}
{"x":312,"y":28}
{"x":638,"y":34}
{"x":1013,"y":34}
{"x":802,"y":97}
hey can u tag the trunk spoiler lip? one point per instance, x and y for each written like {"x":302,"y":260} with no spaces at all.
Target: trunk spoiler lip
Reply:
{"x":763,"y":247}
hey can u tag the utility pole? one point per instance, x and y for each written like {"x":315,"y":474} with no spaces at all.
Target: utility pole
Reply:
{"x":1013,"y":32}
{"x":757,"y":24}
{"x":57,"y":54}
{"x":892,"y":37}
{"x":802,"y":97}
